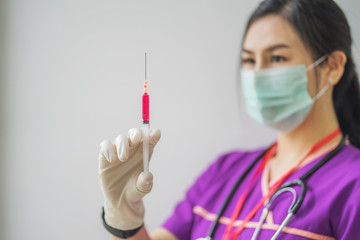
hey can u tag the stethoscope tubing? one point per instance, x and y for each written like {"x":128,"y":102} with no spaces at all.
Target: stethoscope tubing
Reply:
{"x":294,"y":207}
{"x":215,"y":223}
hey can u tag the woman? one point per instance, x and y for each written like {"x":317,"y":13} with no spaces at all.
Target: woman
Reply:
{"x":298,"y":76}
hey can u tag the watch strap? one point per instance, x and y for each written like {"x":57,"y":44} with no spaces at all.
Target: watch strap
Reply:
{"x":117,"y":232}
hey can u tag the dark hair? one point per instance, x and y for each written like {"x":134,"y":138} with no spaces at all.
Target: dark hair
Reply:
{"x":323,"y":28}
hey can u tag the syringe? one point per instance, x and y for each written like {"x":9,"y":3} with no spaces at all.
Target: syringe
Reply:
{"x":146,"y":124}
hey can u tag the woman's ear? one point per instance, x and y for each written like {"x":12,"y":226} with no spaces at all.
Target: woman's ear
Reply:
{"x":336,"y":64}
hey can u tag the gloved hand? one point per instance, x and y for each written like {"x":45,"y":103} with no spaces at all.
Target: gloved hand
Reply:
{"x":120,"y":165}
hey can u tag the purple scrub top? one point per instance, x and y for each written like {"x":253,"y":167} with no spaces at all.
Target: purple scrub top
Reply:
{"x":331,"y":208}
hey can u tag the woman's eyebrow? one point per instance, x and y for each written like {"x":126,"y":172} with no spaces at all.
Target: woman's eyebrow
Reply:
{"x":247,"y":51}
{"x":268,"y":49}
{"x":277,"y":46}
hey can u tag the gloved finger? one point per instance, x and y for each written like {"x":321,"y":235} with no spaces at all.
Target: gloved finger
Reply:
{"x":107,"y":151}
{"x":155,"y":135}
{"x":144,"y":182}
{"x":103,"y":163}
{"x":135,"y":137}
{"x":122,"y":147}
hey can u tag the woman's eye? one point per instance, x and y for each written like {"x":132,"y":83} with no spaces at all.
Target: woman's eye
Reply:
{"x":248,"y":61}
{"x":277,"y":59}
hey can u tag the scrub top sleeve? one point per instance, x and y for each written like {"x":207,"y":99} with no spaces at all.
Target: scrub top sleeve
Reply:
{"x":347,"y":218}
{"x":181,"y":221}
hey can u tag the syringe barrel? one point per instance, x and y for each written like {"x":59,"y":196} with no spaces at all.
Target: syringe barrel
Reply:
{"x":145,"y":107}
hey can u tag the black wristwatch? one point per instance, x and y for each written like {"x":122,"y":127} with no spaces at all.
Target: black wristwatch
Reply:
{"x":117,"y":232}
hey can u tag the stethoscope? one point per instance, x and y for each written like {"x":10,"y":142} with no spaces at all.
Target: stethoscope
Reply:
{"x":286,"y":187}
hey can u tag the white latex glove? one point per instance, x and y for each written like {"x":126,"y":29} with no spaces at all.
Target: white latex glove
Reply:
{"x":120,"y":165}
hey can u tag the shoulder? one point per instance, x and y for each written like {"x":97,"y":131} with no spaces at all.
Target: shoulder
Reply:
{"x":352,"y":154}
{"x":221,"y":172}
{"x":349,"y":170}
{"x":341,"y":173}
{"x":347,"y":163}
{"x":237,"y":157}
{"x":339,"y":180}
{"x":345,"y":183}
{"x":234,"y":161}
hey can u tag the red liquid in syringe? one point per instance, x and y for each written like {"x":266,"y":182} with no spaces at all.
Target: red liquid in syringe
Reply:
{"x":145,"y":104}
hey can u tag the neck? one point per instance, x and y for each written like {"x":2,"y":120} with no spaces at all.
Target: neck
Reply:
{"x":294,"y":145}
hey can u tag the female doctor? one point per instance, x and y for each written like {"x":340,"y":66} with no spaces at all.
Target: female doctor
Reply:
{"x":298,"y":76}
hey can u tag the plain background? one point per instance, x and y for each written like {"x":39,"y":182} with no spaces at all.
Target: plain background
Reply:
{"x":72,"y":75}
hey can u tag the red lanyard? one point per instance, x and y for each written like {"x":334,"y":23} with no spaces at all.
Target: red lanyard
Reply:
{"x":277,"y":184}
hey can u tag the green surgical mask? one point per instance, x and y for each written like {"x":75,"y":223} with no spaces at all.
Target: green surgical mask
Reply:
{"x":278,"y":97}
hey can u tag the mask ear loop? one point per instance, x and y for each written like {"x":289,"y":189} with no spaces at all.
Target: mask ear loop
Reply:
{"x":311,"y":66}
{"x":317,"y":62}
{"x":323,"y":90}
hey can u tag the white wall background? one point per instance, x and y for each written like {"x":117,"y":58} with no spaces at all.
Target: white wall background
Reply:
{"x":72,"y":76}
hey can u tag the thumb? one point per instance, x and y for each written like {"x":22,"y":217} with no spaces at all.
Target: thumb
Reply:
{"x":140,"y":186}
{"x":144,"y":182}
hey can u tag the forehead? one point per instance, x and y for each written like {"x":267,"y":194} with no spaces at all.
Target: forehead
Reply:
{"x":269,"y":31}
